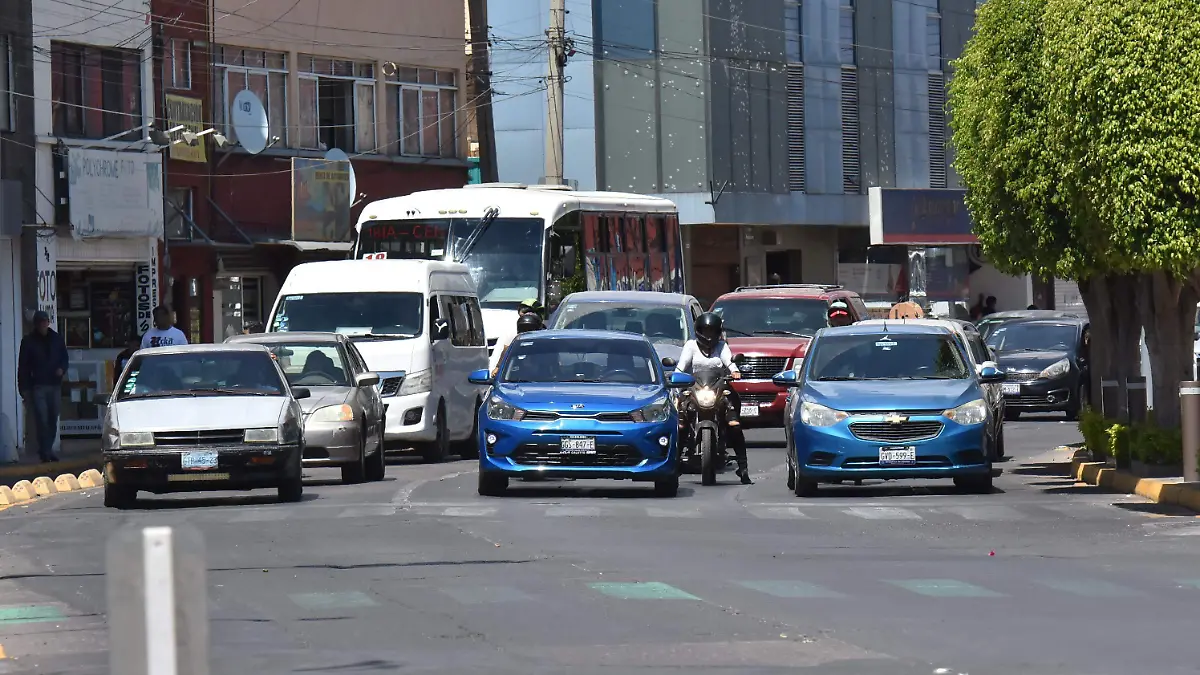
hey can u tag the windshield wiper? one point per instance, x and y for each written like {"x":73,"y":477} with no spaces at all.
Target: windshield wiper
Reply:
{"x":156,"y":394}
{"x":781,"y":332}
{"x":739,"y":332}
{"x":379,"y":336}
{"x":841,"y":378}
{"x":229,"y":390}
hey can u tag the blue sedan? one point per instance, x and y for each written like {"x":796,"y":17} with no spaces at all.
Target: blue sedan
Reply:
{"x":579,"y":404}
{"x":889,"y":401}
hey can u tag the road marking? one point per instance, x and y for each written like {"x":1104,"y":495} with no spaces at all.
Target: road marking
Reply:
{"x":882,"y":513}
{"x":776,"y":512}
{"x":19,"y":614}
{"x":570,"y":511}
{"x":320,"y":601}
{"x":368,"y":511}
{"x":260,"y":516}
{"x":790,"y":589}
{"x":642,"y":590}
{"x":469,"y":511}
{"x":403,"y":495}
{"x":486,"y":595}
{"x":944,"y":588}
{"x":1091,"y":588}
{"x":1194,"y":583}
{"x":986,"y":512}
{"x":659,"y":512}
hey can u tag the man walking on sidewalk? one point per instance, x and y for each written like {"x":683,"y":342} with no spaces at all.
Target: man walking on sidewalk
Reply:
{"x":40,"y":368}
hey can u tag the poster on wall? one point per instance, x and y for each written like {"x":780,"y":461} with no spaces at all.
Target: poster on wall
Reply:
{"x":320,"y":200}
{"x":47,"y":274}
{"x":188,"y":113}
{"x":115,"y":194}
{"x":146,"y":296}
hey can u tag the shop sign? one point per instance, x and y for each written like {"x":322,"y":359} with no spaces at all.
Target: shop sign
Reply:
{"x":320,"y":200}
{"x":146,"y":283}
{"x":919,"y":216}
{"x":47,"y":274}
{"x":188,"y":113}
{"x":115,"y":194}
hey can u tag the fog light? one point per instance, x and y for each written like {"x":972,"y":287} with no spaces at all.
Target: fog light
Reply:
{"x":412,"y":416}
{"x":1051,"y":399}
{"x":664,"y":441}
{"x":491,"y":439}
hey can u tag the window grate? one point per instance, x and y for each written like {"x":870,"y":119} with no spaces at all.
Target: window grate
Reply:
{"x":851,"y":162}
{"x":937,"y":130}
{"x":795,"y":127}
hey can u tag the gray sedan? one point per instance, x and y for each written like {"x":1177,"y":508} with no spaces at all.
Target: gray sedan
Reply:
{"x":344,"y":417}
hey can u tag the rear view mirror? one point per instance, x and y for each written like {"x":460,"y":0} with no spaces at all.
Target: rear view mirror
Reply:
{"x":366,"y":379}
{"x":990,"y":374}
{"x":101,"y":399}
{"x":441,"y":330}
{"x":682,"y":380}
{"x":668,"y":362}
{"x":300,"y":393}
{"x":482,"y":376}
{"x":788,"y":378}
{"x":739,"y":359}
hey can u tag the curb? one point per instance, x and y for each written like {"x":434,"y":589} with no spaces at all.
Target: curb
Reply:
{"x":25,"y":491}
{"x":18,"y":472}
{"x":1159,"y":490}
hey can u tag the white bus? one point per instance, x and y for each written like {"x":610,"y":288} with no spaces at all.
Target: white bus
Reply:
{"x":523,"y":242}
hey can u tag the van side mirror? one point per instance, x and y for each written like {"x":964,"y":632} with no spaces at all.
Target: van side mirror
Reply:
{"x":440,"y":331}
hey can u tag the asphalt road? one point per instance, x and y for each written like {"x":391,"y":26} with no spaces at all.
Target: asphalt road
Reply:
{"x":420,"y":575}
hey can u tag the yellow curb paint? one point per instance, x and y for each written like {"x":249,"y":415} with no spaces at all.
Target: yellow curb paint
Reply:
{"x":43,"y":486}
{"x":7,"y":498}
{"x":1156,"y":490}
{"x":24,"y":491}
{"x":91,"y":479}
{"x":66,"y":483}
{"x":2,"y":654}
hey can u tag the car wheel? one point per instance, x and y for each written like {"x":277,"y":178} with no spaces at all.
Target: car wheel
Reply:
{"x":805,"y":486}
{"x":469,"y":447}
{"x":356,"y":471}
{"x":377,"y":463}
{"x":437,"y":451}
{"x":492,"y":484}
{"x":1077,"y":406}
{"x":975,"y":484}
{"x":791,"y":480}
{"x":292,"y":489}
{"x":1000,"y":444}
{"x":119,"y":496}
{"x":667,"y":488}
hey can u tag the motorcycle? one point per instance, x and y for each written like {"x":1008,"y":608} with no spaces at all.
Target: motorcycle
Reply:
{"x":705,"y":407}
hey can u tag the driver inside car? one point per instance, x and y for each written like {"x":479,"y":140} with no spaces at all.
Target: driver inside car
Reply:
{"x":709,"y":352}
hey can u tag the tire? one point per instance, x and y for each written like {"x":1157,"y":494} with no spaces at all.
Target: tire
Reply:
{"x":667,"y":488}
{"x":1077,"y":407}
{"x":492,"y":484}
{"x":119,"y":496}
{"x":292,"y":489}
{"x":377,"y":463}
{"x":356,"y":472}
{"x":980,"y":485}
{"x":791,"y":479}
{"x":805,"y":487}
{"x":999,"y":456}
{"x":469,"y":447}
{"x":436,"y":452}
{"x":708,"y":458}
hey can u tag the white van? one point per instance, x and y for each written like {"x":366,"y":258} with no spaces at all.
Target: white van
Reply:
{"x":417,"y":323}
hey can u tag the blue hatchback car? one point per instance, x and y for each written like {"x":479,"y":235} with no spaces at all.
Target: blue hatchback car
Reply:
{"x":579,"y":404}
{"x":889,"y":401}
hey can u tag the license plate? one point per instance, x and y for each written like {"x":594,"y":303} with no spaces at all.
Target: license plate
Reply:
{"x":199,"y":460}
{"x":749,"y":410}
{"x":1010,"y":388}
{"x":578,"y":445}
{"x":892,"y":456}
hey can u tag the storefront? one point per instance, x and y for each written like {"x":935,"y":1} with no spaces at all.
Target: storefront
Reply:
{"x":12,"y":326}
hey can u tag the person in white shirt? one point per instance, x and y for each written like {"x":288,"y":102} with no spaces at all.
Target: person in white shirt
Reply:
{"x":707,"y":353}
{"x":163,"y":334}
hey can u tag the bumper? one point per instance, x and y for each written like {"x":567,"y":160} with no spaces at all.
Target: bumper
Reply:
{"x":238,"y":468}
{"x":836,"y":453}
{"x":410,"y":418}
{"x":1043,"y":396}
{"x":766,"y":397}
{"x":629,"y":451}
{"x":331,"y":443}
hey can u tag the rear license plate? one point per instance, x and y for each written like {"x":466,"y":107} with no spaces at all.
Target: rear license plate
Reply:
{"x":578,"y":445}
{"x":749,"y":410}
{"x":1010,"y":388}
{"x":897,"y":455}
{"x":199,"y":460}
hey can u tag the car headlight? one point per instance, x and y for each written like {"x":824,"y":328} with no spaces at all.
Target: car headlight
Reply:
{"x":262,"y":435}
{"x":499,"y":409}
{"x":798,"y":364}
{"x":135,"y":439}
{"x":1056,"y":369}
{"x":333,"y":413}
{"x":416,"y":383}
{"x":658,"y":411}
{"x":705,"y":398}
{"x":817,"y":415}
{"x":969,"y":414}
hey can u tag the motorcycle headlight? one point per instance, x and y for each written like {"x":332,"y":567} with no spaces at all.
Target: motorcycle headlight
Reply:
{"x":333,"y":413}
{"x":498,"y":409}
{"x":705,"y":398}
{"x":262,"y":435}
{"x":658,"y":411}
{"x":1056,"y":369}
{"x":416,"y":383}
{"x":135,"y":439}
{"x":817,"y":415}
{"x":969,"y":414}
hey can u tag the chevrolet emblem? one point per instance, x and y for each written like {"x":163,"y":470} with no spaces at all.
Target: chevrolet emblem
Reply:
{"x":895,"y":418}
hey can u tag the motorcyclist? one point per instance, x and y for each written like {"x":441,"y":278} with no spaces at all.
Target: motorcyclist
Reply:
{"x":839,"y":314}
{"x":532,"y":306}
{"x":526,"y":323}
{"x":708,"y":352}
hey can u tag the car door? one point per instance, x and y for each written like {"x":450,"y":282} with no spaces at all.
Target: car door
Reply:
{"x":992,"y":391}
{"x":368,"y":398}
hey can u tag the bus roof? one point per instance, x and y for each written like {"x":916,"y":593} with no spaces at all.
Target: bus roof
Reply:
{"x":513,"y":200}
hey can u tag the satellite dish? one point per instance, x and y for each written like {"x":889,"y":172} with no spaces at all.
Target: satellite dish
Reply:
{"x":336,"y":155}
{"x":249,"y":119}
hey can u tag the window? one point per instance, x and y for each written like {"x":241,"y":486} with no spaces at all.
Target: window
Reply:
{"x":6,"y":79}
{"x":179,"y":65}
{"x":846,"y":32}
{"x":337,"y":104}
{"x":179,"y":204}
{"x":422,"y":114}
{"x":264,"y":73}
{"x":466,"y":320}
{"x":110,"y":104}
{"x":354,"y":315}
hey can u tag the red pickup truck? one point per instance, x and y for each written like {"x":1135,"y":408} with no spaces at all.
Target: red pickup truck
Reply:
{"x":771,"y":326}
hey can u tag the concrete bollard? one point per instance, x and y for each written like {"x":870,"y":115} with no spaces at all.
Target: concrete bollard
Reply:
{"x":1189,"y":416}
{"x":43,"y":486}
{"x":66,"y":483}
{"x":24,"y":491}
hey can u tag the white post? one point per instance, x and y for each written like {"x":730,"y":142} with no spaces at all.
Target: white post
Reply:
{"x":554,"y":92}
{"x":158,"y":579}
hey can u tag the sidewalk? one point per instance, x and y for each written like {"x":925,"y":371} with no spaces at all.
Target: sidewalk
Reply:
{"x":1159,"y":490}
{"x":76,"y":455}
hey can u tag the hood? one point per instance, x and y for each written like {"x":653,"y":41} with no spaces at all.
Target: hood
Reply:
{"x":199,"y":413}
{"x":666,"y":350}
{"x":559,"y":397}
{"x":389,"y":356}
{"x":769,"y":346}
{"x":324,"y":396}
{"x":1029,"y":360}
{"x":890,"y":395}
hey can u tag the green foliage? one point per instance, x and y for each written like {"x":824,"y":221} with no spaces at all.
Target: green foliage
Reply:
{"x":1151,"y":444}
{"x":1094,"y":428}
{"x":1118,"y":442}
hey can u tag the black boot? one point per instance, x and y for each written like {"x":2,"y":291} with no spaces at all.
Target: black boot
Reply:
{"x":744,"y":474}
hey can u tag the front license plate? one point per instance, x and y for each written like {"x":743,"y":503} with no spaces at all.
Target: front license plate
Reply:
{"x":897,"y":456}
{"x":750,"y":410}
{"x":199,"y":460}
{"x":578,"y":445}
{"x":1010,"y":388}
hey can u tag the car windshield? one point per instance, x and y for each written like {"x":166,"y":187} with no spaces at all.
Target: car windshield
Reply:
{"x":661,"y":325}
{"x":201,"y":373}
{"x":905,"y":356}
{"x":311,"y":364}
{"x":581,"y":360}
{"x":772,"y":316}
{"x":1029,"y":337}
{"x":358,"y":315}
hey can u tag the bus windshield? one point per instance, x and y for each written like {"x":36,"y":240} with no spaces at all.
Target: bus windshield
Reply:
{"x":505,"y":261}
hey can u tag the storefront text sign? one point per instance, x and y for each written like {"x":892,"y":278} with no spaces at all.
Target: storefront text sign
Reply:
{"x":188,"y":112}
{"x":115,"y":194}
{"x":919,"y":217}
{"x":146,"y":281}
{"x":47,"y":274}
{"x":320,"y":200}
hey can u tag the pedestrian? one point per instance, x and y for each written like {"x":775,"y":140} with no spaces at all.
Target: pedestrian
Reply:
{"x":163,"y":334}
{"x":1032,"y":307}
{"x":252,"y":327}
{"x":977,"y":308}
{"x":41,"y":365}
{"x":132,"y":344}
{"x":990,"y":306}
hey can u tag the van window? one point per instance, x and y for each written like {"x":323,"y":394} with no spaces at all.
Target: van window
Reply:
{"x":460,"y":326}
{"x":351,"y":314}
{"x":479,"y":339}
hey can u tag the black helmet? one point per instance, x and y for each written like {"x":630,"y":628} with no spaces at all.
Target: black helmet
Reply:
{"x":529,"y":322}
{"x":708,"y":330}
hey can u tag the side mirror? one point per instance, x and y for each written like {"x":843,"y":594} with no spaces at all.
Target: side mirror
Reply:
{"x":482,"y":376}
{"x":739,"y":359}
{"x":441,"y":330}
{"x":990,"y":374}
{"x":681,"y":380}
{"x":101,"y":399}
{"x":987,"y":364}
{"x":669,"y":362}
{"x":366,"y":379}
{"x":787,"y":378}
{"x":299,"y":393}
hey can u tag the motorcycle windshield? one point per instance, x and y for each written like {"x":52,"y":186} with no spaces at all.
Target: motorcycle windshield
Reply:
{"x":708,"y":379}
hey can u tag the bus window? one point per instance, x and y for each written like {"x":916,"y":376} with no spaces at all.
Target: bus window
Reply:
{"x":563,"y":245}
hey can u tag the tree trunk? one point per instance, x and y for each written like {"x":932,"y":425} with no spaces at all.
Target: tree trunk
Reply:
{"x":1111,"y":305}
{"x":1167,"y":309}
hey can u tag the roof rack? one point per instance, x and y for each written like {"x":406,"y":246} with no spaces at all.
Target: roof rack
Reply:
{"x":822,"y":287}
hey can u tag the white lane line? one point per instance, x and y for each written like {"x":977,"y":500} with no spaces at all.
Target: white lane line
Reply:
{"x":571,"y":511}
{"x":992,"y":513}
{"x":660,"y":512}
{"x":776,"y":512}
{"x":882,"y":513}
{"x":260,"y":516}
{"x":368,"y":511}
{"x":470,"y":511}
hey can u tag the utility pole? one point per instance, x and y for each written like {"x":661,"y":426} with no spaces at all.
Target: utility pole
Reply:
{"x":481,"y":91}
{"x":556,"y":41}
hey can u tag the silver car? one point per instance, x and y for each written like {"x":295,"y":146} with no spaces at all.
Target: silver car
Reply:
{"x":202,"y":417}
{"x":344,"y":417}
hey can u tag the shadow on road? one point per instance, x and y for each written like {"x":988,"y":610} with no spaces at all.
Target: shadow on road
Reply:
{"x":867,"y":491}
{"x":1048,"y":469}
{"x":559,"y":490}
{"x":1152,"y":509}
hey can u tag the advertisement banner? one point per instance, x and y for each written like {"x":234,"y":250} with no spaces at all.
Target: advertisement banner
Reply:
{"x":47,"y":274}
{"x":145,"y":279}
{"x":188,"y":112}
{"x":320,"y":200}
{"x":115,"y":194}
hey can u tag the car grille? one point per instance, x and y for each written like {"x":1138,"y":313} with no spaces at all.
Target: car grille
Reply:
{"x":545,"y":454}
{"x":205,"y":437}
{"x":390,"y":386}
{"x":757,"y":398}
{"x":928,"y":461}
{"x":886,"y":432}
{"x":1030,"y":400}
{"x":761,"y":367}
{"x":1012,"y":376}
{"x":531,"y":416}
